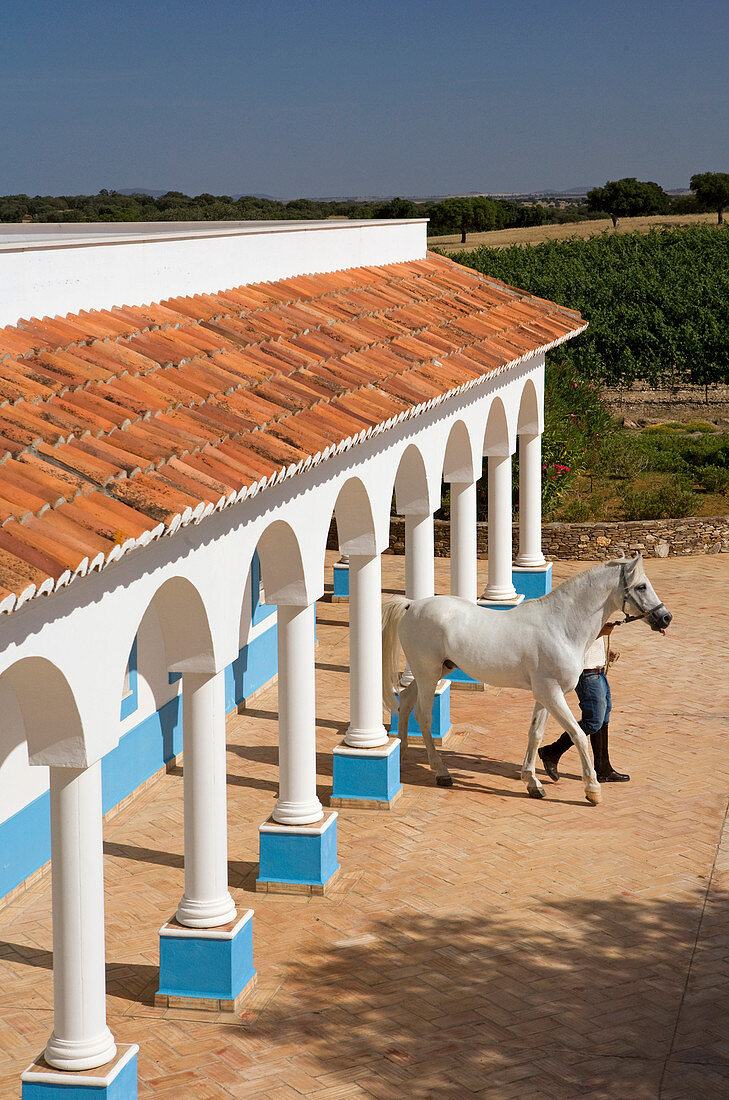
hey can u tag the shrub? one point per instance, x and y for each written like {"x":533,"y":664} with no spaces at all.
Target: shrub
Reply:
{"x":715,"y":479}
{"x":577,"y":511}
{"x":672,"y":502}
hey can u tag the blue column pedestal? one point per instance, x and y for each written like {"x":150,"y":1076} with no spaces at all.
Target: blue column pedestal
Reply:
{"x":440,"y":719}
{"x":206,"y":968}
{"x":367,"y":779}
{"x":341,"y":582}
{"x":461,"y":681}
{"x":532,"y":582}
{"x":297,"y":859}
{"x":117,"y":1080}
{"x":500,"y":605}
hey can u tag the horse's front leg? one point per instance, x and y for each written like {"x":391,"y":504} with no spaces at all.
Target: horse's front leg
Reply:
{"x":528,"y":771}
{"x":555,"y":702}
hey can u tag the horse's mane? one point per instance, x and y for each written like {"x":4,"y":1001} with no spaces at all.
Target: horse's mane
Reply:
{"x":583,"y":579}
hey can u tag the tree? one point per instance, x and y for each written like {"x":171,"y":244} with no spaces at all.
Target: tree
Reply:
{"x":628,"y":197}
{"x":712,"y":190}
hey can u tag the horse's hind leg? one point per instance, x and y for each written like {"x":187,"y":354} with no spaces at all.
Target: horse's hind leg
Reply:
{"x":528,"y":771}
{"x":424,"y":716}
{"x":407,"y":698}
{"x":556,"y":704}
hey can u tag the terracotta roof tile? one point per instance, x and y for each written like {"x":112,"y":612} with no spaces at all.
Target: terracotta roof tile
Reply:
{"x":118,"y":425}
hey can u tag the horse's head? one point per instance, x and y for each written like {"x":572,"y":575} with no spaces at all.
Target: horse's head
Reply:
{"x":639,"y":600}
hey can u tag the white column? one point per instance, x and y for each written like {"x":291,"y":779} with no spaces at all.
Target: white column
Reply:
{"x":297,"y":799}
{"x":464,"y":554}
{"x":530,"y":501}
{"x":419,"y":566}
{"x":499,"y":585}
{"x":419,"y":557}
{"x":366,"y":730}
{"x":80,"y":1040}
{"x":206,"y":902}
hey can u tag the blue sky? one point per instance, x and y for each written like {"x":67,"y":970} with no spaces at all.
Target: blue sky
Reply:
{"x":360,"y":97}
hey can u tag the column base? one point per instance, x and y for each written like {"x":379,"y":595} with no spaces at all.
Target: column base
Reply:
{"x":532,"y":581}
{"x":366,"y":778}
{"x":440,"y":717}
{"x":206,"y":968}
{"x":341,"y":582}
{"x":500,"y":605}
{"x":297,"y":859}
{"x":117,"y":1080}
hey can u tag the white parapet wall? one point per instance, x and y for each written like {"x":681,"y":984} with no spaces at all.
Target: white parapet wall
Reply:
{"x":51,"y":270}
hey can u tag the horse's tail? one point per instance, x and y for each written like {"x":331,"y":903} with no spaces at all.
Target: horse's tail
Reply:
{"x":392,"y":613}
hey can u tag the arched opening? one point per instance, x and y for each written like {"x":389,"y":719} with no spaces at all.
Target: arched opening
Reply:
{"x":51,"y":720}
{"x":282,"y":568}
{"x":413,"y":492}
{"x":498,"y":436}
{"x":529,"y":421}
{"x":355,"y":520}
{"x":40,"y":725}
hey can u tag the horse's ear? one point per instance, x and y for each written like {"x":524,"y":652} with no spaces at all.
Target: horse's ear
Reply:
{"x":632,"y":565}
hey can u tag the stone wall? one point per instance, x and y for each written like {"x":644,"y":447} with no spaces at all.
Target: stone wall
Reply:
{"x":659,"y":538}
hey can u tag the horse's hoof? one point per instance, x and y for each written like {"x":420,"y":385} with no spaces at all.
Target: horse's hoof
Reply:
{"x":443,"y":781}
{"x":536,"y":792}
{"x":593,"y":797}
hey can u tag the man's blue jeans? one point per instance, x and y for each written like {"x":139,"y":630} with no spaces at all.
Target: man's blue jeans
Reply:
{"x":593,"y":692}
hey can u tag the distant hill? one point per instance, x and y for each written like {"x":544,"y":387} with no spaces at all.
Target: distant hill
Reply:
{"x":158,"y":194}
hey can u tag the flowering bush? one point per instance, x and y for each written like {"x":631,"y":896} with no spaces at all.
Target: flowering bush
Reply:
{"x":575,"y":421}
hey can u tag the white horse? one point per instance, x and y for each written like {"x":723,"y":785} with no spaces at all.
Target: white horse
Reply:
{"x":539,"y":646}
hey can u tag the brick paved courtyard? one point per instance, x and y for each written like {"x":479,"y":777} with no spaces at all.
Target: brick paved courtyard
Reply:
{"x":477,"y":943}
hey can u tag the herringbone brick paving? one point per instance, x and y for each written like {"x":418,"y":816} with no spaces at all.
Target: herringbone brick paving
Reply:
{"x":478,"y":943}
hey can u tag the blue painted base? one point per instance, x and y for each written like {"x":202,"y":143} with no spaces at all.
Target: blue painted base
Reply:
{"x":341,"y":581}
{"x":532,"y":583}
{"x":206,"y":963}
{"x":440,"y":716}
{"x":117,"y":1081}
{"x":459,"y":678}
{"x":371,"y":775}
{"x":298,"y":855}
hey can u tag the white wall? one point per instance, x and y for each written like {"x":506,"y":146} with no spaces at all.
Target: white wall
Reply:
{"x":55,"y":273}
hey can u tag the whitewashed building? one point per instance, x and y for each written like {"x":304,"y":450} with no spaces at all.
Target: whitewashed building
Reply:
{"x":168,"y":476}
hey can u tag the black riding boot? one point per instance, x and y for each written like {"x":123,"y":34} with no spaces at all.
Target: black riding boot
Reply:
{"x":605,"y":771}
{"x":551,"y":754}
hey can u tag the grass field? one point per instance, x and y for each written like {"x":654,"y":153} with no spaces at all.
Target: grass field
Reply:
{"x":503,"y":238}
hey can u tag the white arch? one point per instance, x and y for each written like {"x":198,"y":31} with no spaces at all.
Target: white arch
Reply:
{"x":353,"y":510}
{"x":461,"y":462}
{"x":51,"y":720}
{"x":183,"y":619}
{"x":414,"y":494}
{"x":499,"y":438}
{"x":282,"y":566}
{"x":530,"y":420}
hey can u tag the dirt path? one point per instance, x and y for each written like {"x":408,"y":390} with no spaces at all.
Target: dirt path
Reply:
{"x":503,"y":238}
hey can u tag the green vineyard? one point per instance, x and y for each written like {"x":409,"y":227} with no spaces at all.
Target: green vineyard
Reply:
{"x":657,"y":303}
